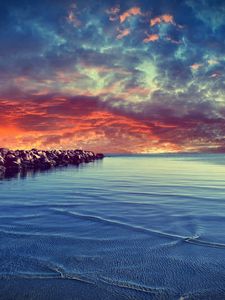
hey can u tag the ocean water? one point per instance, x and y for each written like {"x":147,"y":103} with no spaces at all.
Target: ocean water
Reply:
{"x":127,"y":227}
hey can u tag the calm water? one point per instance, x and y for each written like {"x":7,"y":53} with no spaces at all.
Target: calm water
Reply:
{"x":140,"y":227}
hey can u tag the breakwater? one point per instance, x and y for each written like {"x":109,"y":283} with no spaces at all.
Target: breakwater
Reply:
{"x":17,"y":160}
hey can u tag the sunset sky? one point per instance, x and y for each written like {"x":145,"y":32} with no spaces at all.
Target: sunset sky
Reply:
{"x":113,"y":75}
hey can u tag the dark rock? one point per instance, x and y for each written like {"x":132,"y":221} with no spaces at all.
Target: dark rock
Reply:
{"x":12,"y":162}
{"x":4,"y":151}
{"x":2,"y":169}
{"x":21,"y":160}
{"x":99,"y":156}
{"x":2,"y":161}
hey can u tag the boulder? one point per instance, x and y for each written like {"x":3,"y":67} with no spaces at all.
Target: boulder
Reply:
{"x":99,"y":156}
{"x":2,"y":161}
{"x":2,"y":170}
{"x":15,"y":161}
{"x":4,"y":151}
{"x":12,"y":162}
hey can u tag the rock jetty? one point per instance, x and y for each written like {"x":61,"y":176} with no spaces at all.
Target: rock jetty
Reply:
{"x":21,"y":160}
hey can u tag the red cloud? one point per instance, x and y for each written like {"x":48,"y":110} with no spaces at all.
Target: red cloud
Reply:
{"x":88,"y":122}
{"x":73,"y":122}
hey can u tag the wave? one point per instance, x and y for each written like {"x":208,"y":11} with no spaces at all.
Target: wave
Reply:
{"x":44,"y":276}
{"x":187,"y":239}
{"x":22,"y":217}
{"x":199,"y":242}
{"x":48,"y":235}
{"x":195,"y":239}
{"x":118,"y":223}
{"x":58,"y":273}
{"x":54,"y":271}
{"x":137,"y":287}
{"x":204,"y":294}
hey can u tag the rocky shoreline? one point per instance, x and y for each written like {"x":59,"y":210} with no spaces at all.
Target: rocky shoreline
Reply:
{"x":14,"y":161}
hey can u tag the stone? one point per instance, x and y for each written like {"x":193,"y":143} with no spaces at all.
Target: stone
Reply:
{"x":4,"y":151}
{"x":99,"y":156}
{"x":2,"y":161}
{"x":21,"y":160}
{"x":2,"y":169}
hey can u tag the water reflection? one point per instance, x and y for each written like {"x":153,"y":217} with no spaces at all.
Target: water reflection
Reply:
{"x":23,"y":174}
{"x":31,"y":173}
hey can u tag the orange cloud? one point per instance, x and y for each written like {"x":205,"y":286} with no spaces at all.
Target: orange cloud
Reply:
{"x":167,"y":19}
{"x":130,"y":12}
{"x":86,"y":121}
{"x":162,"y":19}
{"x":98,"y":130}
{"x":155,"y":21}
{"x":79,"y":122}
{"x":151,"y":38}
{"x":123,"y":33}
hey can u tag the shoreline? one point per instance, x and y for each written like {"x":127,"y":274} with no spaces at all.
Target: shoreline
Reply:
{"x":14,"y":161}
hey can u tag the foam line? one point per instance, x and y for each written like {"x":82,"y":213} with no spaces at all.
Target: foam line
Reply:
{"x":120,"y":224}
{"x":187,"y":239}
{"x":199,"y":242}
{"x":135,"y":286}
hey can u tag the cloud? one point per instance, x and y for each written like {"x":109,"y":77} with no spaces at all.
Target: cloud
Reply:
{"x":215,"y":75}
{"x":72,"y":19}
{"x":169,"y":19}
{"x":211,"y":13}
{"x":173,"y":41}
{"x":151,"y":38}
{"x":113,"y":10}
{"x":81,"y":122}
{"x":166,"y":122}
{"x":196,"y":66}
{"x":113,"y":13}
{"x":123,"y":33}
{"x":134,"y":11}
{"x":65,"y":86}
{"x":212,"y":62}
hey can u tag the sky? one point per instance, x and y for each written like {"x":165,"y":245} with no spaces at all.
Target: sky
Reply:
{"x":114,"y":76}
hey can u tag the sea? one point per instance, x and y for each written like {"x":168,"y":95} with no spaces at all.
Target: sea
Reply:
{"x":127,"y":227}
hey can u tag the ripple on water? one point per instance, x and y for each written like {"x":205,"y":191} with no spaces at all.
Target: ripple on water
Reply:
{"x":128,"y":228}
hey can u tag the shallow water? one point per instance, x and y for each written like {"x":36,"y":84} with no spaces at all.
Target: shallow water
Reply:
{"x":127,"y":227}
